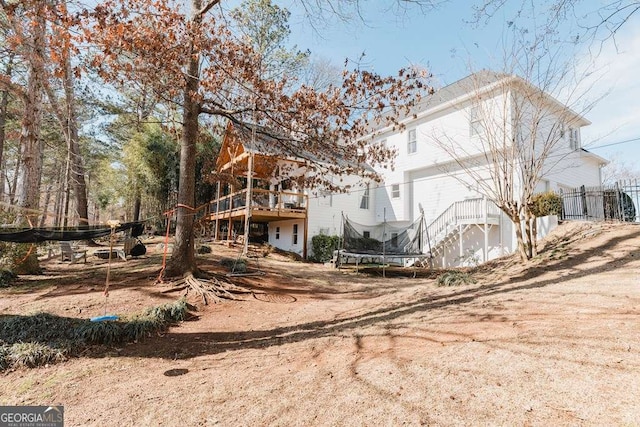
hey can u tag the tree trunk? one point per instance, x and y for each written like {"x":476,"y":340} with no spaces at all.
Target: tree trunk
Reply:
{"x":77,"y":163}
{"x":534,"y":236}
{"x":47,"y":199}
{"x":137,"y":203}
{"x":4,"y":104}
{"x":57,"y":206}
{"x":521,"y":245}
{"x":14,"y":183}
{"x":30,"y":141}
{"x":529,"y":240}
{"x":67,"y":189}
{"x":183,"y":260}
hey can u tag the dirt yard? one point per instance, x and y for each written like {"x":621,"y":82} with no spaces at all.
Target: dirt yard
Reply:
{"x":555,"y":343}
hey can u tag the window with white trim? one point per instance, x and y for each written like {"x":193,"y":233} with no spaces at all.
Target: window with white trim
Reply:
{"x":395,"y":191}
{"x":295,"y":234}
{"x":574,"y":139}
{"x":412,"y":142}
{"x":364,"y":201}
{"x":475,"y":122}
{"x":277,"y":233}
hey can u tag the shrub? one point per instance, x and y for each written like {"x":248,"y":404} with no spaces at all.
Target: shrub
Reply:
{"x":36,"y":340}
{"x":232,"y":264}
{"x":548,"y":203}
{"x":455,"y":278}
{"x":323,"y":247}
{"x":6,"y":278}
{"x":31,"y":355}
{"x":204,"y":249}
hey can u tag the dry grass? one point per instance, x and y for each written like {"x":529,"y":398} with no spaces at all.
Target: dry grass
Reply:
{"x":556,"y":342}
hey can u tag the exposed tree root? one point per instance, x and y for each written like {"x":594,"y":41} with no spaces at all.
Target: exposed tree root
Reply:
{"x":211,"y":289}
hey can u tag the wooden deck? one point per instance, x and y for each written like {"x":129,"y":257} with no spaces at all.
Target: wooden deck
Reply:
{"x":265,"y":205}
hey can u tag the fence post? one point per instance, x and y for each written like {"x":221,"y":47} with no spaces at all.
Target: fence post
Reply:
{"x":583,"y":196}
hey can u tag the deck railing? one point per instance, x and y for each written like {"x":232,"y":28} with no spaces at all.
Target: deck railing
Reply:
{"x":261,"y":199}
{"x":465,"y":211}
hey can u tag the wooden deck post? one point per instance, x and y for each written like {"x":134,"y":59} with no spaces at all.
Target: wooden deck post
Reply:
{"x":247,"y":208}
{"x":306,"y":227}
{"x":215,"y":234}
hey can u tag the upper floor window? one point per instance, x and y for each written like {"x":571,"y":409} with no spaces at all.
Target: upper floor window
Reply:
{"x":574,"y":139}
{"x":475,"y":122}
{"x":395,"y":191}
{"x":364,"y":201}
{"x":412,"y":142}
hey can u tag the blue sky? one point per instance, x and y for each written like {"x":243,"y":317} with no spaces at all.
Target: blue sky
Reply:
{"x":450,"y":47}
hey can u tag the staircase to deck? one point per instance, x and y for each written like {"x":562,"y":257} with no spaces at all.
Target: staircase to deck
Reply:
{"x":452,"y":224}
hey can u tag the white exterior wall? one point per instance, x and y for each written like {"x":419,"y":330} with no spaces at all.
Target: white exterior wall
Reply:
{"x":285,"y":239}
{"x":473,"y":252}
{"x":576,"y":169}
{"x":423,"y":182}
{"x":325,"y":216}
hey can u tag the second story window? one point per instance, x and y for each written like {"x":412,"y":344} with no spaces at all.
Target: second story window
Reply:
{"x":395,"y":191}
{"x":364,"y":201}
{"x":574,"y":139}
{"x":475,"y":122}
{"x":412,"y":142}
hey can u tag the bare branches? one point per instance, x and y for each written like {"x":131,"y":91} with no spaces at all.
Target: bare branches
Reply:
{"x":207,"y":7}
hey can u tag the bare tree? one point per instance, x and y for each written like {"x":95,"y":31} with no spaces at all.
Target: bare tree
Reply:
{"x":518,"y":132}
{"x":619,"y":169}
{"x":593,"y":20}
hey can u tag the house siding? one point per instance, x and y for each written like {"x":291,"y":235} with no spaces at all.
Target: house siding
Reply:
{"x":430,"y":180}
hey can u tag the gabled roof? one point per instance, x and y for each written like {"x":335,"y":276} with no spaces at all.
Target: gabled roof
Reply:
{"x":268,"y":146}
{"x":483,"y":81}
{"x":462,"y":87}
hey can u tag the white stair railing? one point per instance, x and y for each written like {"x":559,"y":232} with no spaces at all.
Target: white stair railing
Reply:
{"x":465,"y":211}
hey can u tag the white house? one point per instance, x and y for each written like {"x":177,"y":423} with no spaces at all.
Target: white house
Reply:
{"x":443,"y":161}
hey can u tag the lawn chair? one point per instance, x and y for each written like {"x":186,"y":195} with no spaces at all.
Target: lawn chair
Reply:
{"x":68,"y":253}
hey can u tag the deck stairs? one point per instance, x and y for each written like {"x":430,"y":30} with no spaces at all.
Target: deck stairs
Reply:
{"x":451,"y":224}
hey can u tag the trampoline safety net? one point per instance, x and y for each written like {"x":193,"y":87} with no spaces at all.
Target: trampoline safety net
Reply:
{"x":383,"y":238}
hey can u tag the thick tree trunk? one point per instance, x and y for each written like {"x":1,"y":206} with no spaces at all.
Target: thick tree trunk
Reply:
{"x":522,"y":251}
{"x":30,"y":141}
{"x":183,"y":260}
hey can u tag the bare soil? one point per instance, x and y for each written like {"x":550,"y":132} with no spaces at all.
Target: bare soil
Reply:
{"x":556,"y":342}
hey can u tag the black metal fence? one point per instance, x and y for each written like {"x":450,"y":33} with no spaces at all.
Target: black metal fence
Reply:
{"x":617,"y":202}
